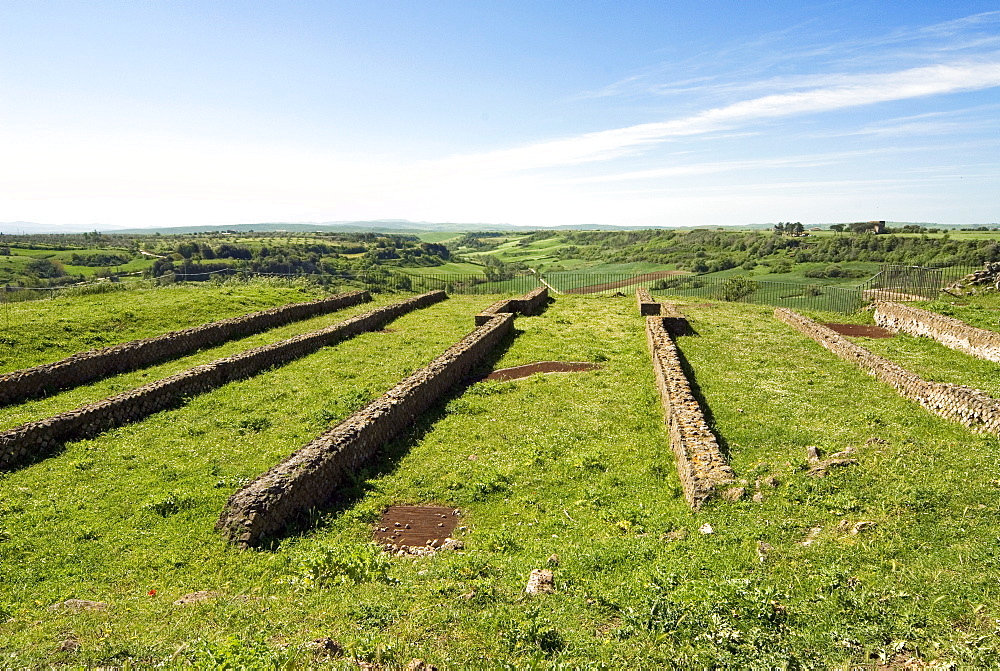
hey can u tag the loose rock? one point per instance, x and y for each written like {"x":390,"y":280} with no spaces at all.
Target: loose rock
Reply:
{"x":420,"y":665}
{"x":540,"y":582}
{"x":734,"y":494}
{"x":196,"y":597}
{"x":78,"y":605}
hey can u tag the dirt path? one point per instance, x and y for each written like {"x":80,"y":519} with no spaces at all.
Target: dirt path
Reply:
{"x":632,"y":281}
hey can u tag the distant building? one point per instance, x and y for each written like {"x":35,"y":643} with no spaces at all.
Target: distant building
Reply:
{"x":875,"y":227}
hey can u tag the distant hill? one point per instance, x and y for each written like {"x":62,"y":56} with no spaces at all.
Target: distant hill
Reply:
{"x":380,"y":226}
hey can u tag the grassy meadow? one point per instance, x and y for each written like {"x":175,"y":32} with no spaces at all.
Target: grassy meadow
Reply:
{"x":571,"y":472}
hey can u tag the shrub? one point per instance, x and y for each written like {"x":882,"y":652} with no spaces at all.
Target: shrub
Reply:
{"x":738,"y":287}
{"x":341,"y":564}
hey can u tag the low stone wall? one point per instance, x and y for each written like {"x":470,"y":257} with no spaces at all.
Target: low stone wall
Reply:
{"x":647,"y":306}
{"x":969,"y":406}
{"x":700,"y":463}
{"x":948,"y":331}
{"x":310,"y":477}
{"x":85,"y":367}
{"x":529,"y":304}
{"x":34,"y":440}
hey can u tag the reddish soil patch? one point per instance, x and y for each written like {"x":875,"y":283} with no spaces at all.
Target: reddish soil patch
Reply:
{"x":517,"y":372}
{"x":632,"y":281}
{"x":856,"y":330}
{"x":415,"y":526}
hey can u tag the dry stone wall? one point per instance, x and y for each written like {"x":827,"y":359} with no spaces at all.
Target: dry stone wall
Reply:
{"x":700,"y":463}
{"x":34,"y":440}
{"x":969,"y":406}
{"x":647,"y":306}
{"x":528,"y":304}
{"x":85,"y":367}
{"x":948,"y":331}
{"x":311,"y":477}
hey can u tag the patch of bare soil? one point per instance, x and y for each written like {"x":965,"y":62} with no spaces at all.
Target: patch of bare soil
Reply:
{"x":517,"y":372}
{"x":864,"y":330}
{"x":414,"y":527}
{"x":632,"y":281}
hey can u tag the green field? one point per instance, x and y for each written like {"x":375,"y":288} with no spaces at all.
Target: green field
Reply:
{"x":446,"y":269}
{"x":571,"y":472}
{"x":43,"y":331}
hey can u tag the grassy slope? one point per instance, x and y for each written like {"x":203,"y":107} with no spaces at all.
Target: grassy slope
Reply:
{"x":67,"y":400}
{"x":576,"y":465}
{"x":43,"y":331}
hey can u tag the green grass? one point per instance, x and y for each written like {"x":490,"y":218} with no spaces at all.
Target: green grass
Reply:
{"x":982,"y":311}
{"x":797,"y":274}
{"x":438,"y":236}
{"x":43,"y":331}
{"x":451,"y":268}
{"x":576,"y":465}
{"x":72,"y":398}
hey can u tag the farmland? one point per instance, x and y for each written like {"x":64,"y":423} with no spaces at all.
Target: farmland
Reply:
{"x":888,"y":560}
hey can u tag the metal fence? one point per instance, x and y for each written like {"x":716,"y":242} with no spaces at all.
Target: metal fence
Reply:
{"x":828,"y":298}
{"x":892,"y":282}
{"x":898,"y":282}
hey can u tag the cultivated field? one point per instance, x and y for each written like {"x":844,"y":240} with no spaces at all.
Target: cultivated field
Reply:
{"x":887,"y":561}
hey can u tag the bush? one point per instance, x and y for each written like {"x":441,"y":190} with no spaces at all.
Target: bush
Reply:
{"x":738,"y":287}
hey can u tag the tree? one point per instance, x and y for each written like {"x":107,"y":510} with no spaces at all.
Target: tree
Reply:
{"x":837,"y":228}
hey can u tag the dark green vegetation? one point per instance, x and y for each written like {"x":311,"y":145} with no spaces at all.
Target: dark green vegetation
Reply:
{"x":712,"y":251}
{"x":574,"y":465}
{"x":51,"y":260}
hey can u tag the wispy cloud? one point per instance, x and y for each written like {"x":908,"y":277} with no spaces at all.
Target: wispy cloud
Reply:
{"x":737,"y":69}
{"x":848,"y":92}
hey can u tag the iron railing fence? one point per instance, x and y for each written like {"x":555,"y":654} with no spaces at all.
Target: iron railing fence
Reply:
{"x":893,"y":282}
{"x":899,"y":282}
{"x":797,"y":296}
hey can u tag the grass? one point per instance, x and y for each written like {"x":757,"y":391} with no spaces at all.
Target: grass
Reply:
{"x":982,"y":311}
{"x":43,"y":331}
{"x":445,"y":269}
{"x":48,"y":406}
{"x":572,"y":465}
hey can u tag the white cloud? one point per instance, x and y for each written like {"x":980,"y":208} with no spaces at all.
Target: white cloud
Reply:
{"x":79,"y":178}
{"x":850,"y":91}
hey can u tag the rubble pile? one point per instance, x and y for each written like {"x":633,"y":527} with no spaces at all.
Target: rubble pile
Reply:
{"x":987,"y":278}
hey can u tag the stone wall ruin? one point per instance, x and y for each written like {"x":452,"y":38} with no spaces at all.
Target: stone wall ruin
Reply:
{"x":311,"y":477}
{"x":34,"y":440}
{"x":948,"y":331}
{"x":528,"y":304}
{"x":700,"y":463}
{"x":86,"y":367}
{"x":647,"y":306}
{"x":969,"y":406}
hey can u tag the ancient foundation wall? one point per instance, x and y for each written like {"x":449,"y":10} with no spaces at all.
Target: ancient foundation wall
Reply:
{"x":969,"y":406}
{"x":647,"y":306}
{"x":700,"y":463}
{"x":948,"y":331}
{"x":34,"y":440}
{"x":312,"y":476}
{"x":85,"y":367}
{"x":529,"y":304}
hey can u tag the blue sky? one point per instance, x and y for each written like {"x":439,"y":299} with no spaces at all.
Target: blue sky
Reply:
{"x":154,"y":113}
